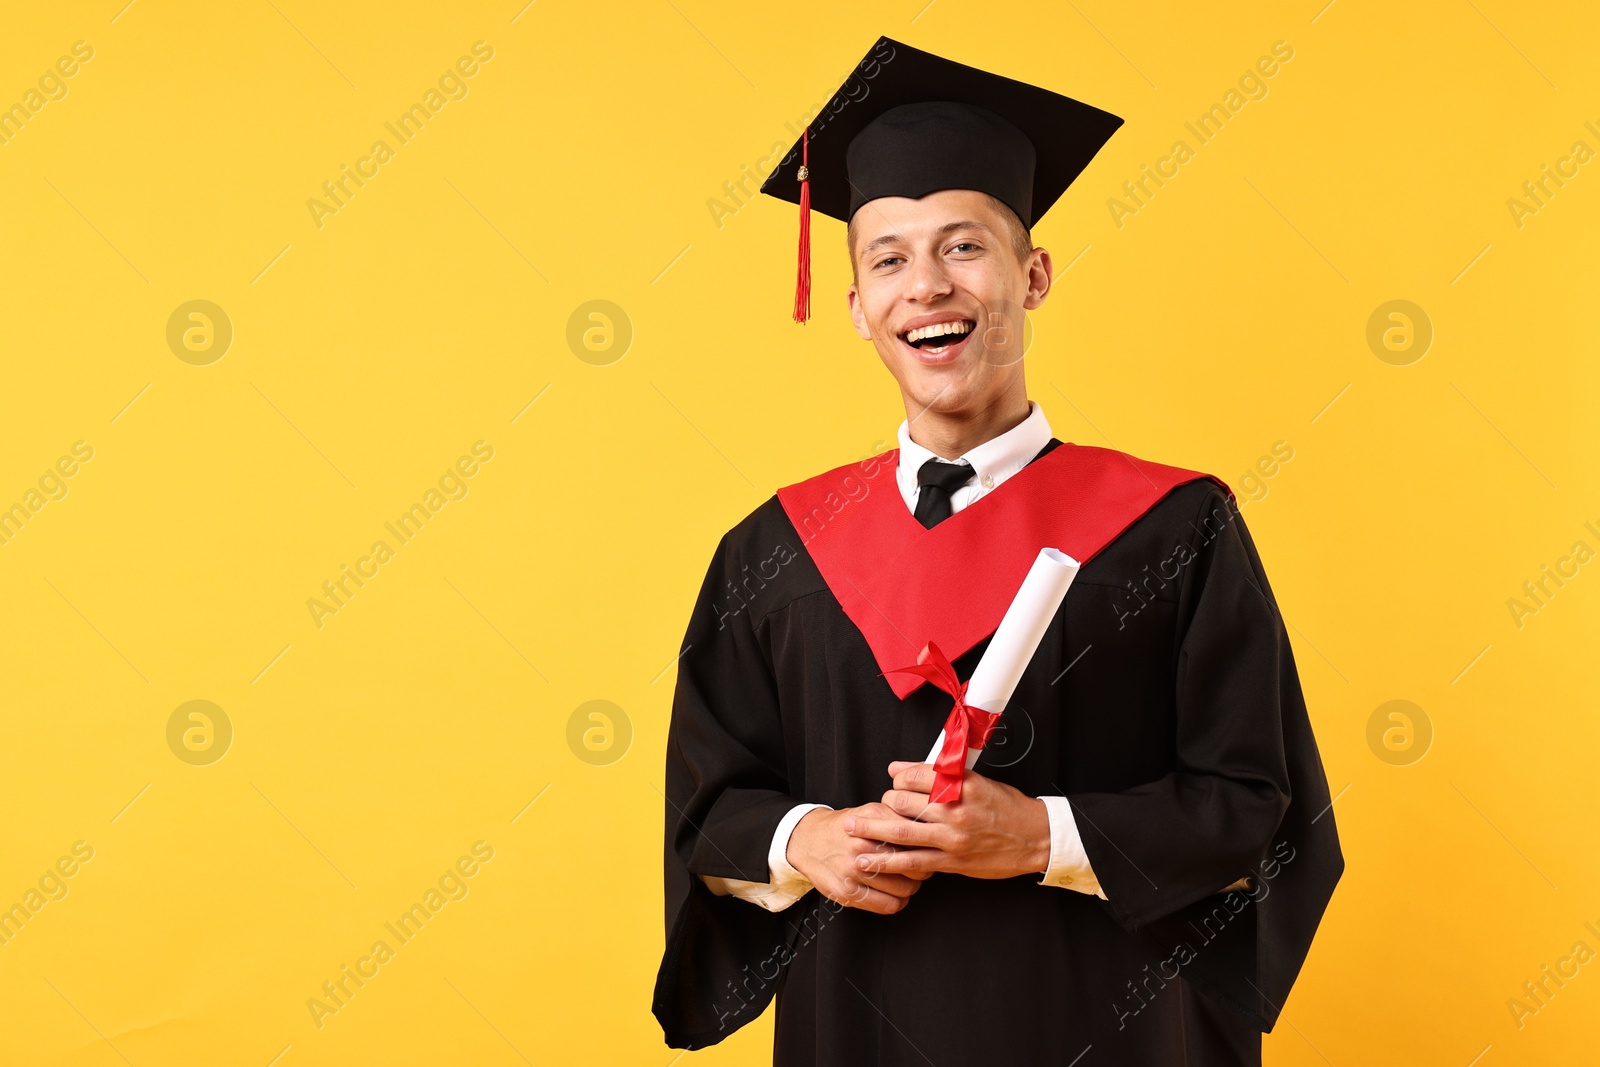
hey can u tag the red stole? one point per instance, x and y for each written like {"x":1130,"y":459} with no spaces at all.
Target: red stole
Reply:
{"x":903,"y":585}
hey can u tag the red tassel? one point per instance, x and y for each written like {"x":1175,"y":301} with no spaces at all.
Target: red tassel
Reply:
{"x":802,"y":285}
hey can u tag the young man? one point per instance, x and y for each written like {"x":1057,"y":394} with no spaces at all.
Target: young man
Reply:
{"x":1134,"y":870}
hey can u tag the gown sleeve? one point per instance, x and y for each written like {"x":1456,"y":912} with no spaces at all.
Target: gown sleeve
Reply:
{"x":1246,"y":795}
{"x":726,"y":792}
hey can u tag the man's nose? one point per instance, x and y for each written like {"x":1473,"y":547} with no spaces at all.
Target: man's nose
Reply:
{"x":928,"y":278}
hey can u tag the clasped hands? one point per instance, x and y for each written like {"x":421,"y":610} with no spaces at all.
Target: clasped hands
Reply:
{"x":876,"y":856}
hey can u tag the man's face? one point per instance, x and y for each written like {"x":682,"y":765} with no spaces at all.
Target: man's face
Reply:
{"x":944,"y":261}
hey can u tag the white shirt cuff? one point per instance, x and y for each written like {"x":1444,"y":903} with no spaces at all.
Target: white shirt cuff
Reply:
{"x":1069,"y":863}
{"x":786,"y":884}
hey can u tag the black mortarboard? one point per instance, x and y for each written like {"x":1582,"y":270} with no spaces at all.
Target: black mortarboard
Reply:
{"x":908,"y":123}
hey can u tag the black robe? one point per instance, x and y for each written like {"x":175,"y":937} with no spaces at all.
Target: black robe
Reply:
{"x":1163,"y":702}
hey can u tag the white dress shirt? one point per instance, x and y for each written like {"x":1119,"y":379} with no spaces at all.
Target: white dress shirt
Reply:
{"x":992,"y":462}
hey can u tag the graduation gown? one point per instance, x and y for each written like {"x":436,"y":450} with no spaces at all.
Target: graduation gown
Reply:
{"x":1163,"y":702}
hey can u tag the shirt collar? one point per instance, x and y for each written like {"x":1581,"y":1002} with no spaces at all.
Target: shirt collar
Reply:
{"x":994,"y":461}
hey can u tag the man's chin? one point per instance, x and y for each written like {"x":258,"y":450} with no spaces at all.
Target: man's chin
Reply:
{"x":945,"y":395}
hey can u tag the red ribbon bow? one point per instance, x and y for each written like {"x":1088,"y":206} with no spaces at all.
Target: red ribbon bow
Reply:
{"x":967,"y":727}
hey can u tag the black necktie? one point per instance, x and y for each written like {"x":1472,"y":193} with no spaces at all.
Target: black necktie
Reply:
{"x":938,"y":480}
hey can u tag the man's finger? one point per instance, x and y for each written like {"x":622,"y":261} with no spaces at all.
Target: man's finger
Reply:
{"x":914,"y":777}
{"x":912,"y":805}
{"x":860,"y":896}
{"x":873,"y":810}
{"x":896,"y":885}
{"x":916,"y":863}
{"x":901,"y":832}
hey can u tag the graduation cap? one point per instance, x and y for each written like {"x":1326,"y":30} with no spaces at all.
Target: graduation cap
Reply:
{"x":908,"y":123}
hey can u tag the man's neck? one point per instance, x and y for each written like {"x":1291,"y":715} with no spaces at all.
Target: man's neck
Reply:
{"x":950,"y":436}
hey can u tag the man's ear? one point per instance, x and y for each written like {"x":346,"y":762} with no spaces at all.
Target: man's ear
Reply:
{"x":857,"y":315}
{"x":1041,"y":273}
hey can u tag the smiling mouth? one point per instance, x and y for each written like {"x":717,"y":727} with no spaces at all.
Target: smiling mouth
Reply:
{"x":940,"y":337}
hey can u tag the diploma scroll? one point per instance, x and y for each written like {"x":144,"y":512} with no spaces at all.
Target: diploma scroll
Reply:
{"x":1017,"y":638}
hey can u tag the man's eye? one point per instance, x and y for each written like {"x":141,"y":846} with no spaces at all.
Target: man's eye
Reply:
{"x":887,"y":259}
{"x":966,"y":244}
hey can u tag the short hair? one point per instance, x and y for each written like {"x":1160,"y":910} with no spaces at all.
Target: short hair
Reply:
{"x":1021,"y":238}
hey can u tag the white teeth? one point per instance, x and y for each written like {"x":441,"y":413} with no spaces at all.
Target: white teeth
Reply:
{"x":938,"y":329}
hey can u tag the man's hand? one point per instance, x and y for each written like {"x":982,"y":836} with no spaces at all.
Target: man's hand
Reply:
{"x":993,"y":831}
{"x":824,"y":852}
